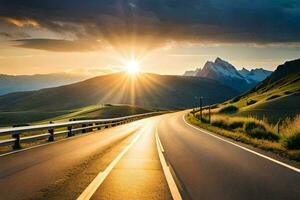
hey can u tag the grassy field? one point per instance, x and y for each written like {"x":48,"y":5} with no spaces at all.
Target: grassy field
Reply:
{"x":89,"y":112}
{"x":256,"y":132}
{"x":272,"y":102}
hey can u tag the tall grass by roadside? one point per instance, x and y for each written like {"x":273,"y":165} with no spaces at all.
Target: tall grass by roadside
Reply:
{"x":257,"y":132}
{"x":250,"y":126}
{"x":291,"y":133}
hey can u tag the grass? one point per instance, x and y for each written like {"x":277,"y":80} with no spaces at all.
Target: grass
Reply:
{"x":291,"y":133}
{"x":250,"y":102}
{"x":260,"y":130}
{"x":229,"y":109}
{"x":88,"y":112}
{"x":257,"y":133}
{"x":273,"y":97}
{"x":274,"y":101}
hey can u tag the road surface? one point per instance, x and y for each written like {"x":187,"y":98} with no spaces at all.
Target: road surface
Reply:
{"x":125,"y":162}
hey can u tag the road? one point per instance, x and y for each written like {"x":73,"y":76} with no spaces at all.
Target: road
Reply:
{"x":127,"y":162}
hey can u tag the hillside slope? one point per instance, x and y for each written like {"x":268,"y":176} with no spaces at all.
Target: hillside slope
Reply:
{"x":277,"y":97}
{"x":89,"y":112}
{"x":145,"y":90}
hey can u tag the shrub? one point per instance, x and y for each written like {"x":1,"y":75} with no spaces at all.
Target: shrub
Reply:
{"x":273,"y":97}
{"x":228,"y":109}
{"x":257,"y":129}
{"x":227,"y":123}
{"x":214,"y":106}
{"x":236,"y":99}
{"x":236,"y":124}
{"x":250,"y":102}
{"x":220,"y":122}
{"x":288,"y":92}
{"x":293,"y":141}
{"x":291,"y":133}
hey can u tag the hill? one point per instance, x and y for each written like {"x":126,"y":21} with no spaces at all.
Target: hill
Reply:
{"x":227,"y":74}
{"x":277,"y":97}
{"x":89,"y":112}
{"x":145,"y":90}
{"x":11,"y":83}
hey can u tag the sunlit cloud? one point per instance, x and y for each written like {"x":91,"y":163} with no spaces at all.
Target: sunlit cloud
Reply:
{"x":141,"y":26}
{"x":21,"y":22}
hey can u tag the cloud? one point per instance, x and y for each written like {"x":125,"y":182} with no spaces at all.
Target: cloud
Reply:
{"x":21,"y":22}
{"x":14,"y":35}
{"x":147,"y":24}
{"x":59,"y":45}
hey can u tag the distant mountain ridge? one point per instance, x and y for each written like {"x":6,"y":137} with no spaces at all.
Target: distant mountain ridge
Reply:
{"x":145,"y":90}
{"x":16,"y":83}
{"x":255,"y":75}
{"x":226,"y":73}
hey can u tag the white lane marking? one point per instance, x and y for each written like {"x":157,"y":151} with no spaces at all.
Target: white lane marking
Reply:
{"x":244,"y":148}
{"x":170,"y":180}
{"x":94,"y":185}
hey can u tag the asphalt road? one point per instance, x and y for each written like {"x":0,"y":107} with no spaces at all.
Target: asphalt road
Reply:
{"x":24,"y":174}
{"x":204,"y":167}
{"x":209,"y":168}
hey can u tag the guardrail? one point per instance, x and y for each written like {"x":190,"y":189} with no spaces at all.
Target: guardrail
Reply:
{"x":72,"y":128}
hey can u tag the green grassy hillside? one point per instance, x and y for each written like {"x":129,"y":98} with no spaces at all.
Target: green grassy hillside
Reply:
{"x":89,"y":112}
{"x":272,"y":100}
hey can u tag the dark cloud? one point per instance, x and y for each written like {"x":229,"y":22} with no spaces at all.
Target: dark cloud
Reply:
{"x":59,"y":45}
{"x":152,"y":23}
{"x":14,"y":35}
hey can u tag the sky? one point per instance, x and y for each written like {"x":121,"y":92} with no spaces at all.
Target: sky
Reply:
{"x":164,"y":36}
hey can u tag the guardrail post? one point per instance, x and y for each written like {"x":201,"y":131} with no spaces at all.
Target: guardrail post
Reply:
{"x":83,"y":130}
{"x":70,"y":133}
{"x":17,"y":144}
{"x":99,"y":128}
{"x":90,"y":129}
{"x":51,"y":137}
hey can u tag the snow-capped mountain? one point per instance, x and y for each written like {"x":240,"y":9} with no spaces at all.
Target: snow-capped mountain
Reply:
{"x":226,"y":73}
{"x":219,"y":69}
{"x":255,"y":75}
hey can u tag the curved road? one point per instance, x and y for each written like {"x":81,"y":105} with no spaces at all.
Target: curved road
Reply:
{"x":123,"y":163}
{"x":209,"y":168}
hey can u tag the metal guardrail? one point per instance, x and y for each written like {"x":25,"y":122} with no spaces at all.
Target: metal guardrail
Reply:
{"x":71,"y":129}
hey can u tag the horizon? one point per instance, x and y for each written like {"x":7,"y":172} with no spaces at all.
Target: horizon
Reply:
{"x":141,"y":71}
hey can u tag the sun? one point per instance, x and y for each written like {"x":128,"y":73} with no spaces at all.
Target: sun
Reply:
{"x":132,"y":67}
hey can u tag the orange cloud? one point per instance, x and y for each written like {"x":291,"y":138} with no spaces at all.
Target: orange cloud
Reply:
{"x":21,"y":22}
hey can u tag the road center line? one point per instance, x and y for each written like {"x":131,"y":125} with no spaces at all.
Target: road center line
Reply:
{"x":170,"y":180}
{"x":94,"y":185}
{"x":244,"y":148}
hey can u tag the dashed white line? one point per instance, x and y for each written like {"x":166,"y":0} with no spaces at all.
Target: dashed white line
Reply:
{"x":244,"y":148}
{"x":170,"y":180}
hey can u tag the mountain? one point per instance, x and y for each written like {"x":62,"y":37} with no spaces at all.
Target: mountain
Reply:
{"x":227,"y":74}
{"x":145,"y":90}
{"x":190,"y":72}
{"x":10,"y":83}
{"x":255,"y":75}
{"x":276,"y":97}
